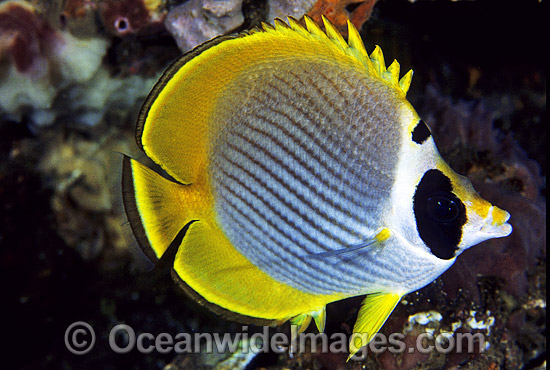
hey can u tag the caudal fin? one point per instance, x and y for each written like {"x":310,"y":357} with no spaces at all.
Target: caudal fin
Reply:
{"x":157,"y":208}
{"x":207,"y":264}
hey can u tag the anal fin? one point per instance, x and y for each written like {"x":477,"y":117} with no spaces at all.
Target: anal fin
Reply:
{"x":221,"y":277}
{"x":374,"y":311}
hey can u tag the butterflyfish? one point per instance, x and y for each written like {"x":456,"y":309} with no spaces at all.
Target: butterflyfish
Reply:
{"x":302,"y":175}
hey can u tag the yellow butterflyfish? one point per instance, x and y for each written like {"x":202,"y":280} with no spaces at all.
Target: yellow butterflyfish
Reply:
{"x":304,"y":177}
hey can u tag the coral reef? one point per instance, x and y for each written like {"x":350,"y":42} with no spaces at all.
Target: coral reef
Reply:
{"x":284,"y":8}
{"x":197,"y":21}
{"x":85,"y":200}
{"x":26,"y":37}
{"x":78,"y":15}
{"x":38,"y":61}
{"x":123,"y":17}
{"x":339,"y":11}
{"x":49,"y":74}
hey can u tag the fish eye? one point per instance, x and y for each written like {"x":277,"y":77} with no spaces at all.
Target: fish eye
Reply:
{"x":442,"y":208}
{"x":440,"y":215}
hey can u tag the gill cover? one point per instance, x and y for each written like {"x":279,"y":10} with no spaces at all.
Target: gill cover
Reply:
{"x":449,"y":215}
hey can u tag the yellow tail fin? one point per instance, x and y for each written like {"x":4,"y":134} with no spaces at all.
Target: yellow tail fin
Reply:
{"x":157,"y":208}
{"x":210,"y":269}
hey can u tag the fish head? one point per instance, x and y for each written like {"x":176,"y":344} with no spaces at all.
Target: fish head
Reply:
{"x":483,"y":220}
{"x":436,"y":209}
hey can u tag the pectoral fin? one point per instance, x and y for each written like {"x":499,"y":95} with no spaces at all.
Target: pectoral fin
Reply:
{"x":374,"y":312}
{"x":383,"y":235}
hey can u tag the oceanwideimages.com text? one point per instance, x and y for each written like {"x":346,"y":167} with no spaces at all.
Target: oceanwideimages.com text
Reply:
{"x":80,"y":339}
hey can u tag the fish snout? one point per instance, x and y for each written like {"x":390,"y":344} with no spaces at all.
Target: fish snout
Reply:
{"x":495,"y":224}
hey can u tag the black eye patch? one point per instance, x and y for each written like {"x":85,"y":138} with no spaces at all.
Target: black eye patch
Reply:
{"x":439,"y":214}
{"x":421,"y":133}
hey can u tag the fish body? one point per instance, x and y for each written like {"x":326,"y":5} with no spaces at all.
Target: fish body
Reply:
{"x":304,"y":176}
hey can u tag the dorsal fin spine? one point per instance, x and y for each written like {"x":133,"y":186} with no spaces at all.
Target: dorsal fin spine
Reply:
{"x":279,"y":23}
{"x":314,"y":28}
{"x":267,"y":27}
{"x":333,"y":34}
{"x":296,"y":26}
{"x":355,"y":41}
{"x":405,"y":81}
{"x":377,"y":58}
{"x":392,"y":73}
{"x":354,"y":47}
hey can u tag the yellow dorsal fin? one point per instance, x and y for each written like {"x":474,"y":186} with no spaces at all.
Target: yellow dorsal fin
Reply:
{"x":314,"y":28}
{"x":392,"y":73}
{"x":374,"y":312}
{"x":377,"y":58}
{"x":405,"y":81}
{"x":297,"y":27}
{"x":333,"y":34}
{"x":355,"y":47}
{"x":279,"y":23}
{"x":267,"y":27}
{"x":355,"y":41}
{"x":174,"y":121}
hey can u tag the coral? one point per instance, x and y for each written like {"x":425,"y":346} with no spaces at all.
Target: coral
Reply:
{"x":49,"y":74}
{"x":123,"y":17}
{"x":79,"y":17}
{"x":284,"y":8}
{"x":38,"y":61}
{"x":83,"y":173}
{"x":104,"y":95}
{"x":339,"y":11}
{"x":85,"y":18}
{"x":197,"y":21}
{"x":79,"y":9}
{"x":25,"y":38}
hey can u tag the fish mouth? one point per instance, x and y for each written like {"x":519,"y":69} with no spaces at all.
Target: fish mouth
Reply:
{"x":495,"y":224}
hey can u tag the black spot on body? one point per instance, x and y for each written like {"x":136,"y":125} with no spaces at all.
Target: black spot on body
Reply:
{"x":421,"y":133}
{"x":439,"y":214}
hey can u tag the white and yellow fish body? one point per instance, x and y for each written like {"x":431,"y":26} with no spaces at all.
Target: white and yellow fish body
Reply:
{"x":305,"y":175}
